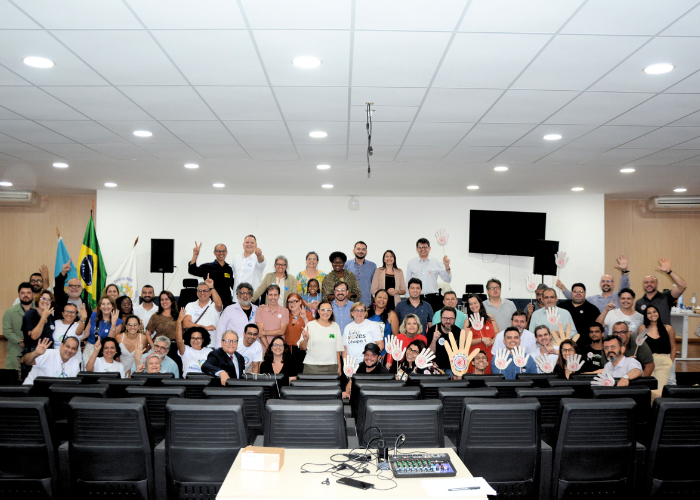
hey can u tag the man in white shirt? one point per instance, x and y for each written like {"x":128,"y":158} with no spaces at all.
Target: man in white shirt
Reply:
{"x":539,"y":317}
{"x":501,"y":309}
{"x":206,"y":309}
{"x":147,"y":308}
{"x":625,"y":313}
{"x":249,"y":266}
{"x":619,"y":366}
{"x":236,"y":316}
{"x":527,"y":338}
{"x":426,"y":269}
{"x":51,"y":362}
{"x":251,"y":349}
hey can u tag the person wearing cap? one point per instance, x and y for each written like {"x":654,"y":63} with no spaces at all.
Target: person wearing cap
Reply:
{"x":370,"y":364}
{"x":340,"y":275}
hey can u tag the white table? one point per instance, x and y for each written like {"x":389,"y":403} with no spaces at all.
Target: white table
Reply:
{"x":679,"y":322}
{"x":289,"y":482}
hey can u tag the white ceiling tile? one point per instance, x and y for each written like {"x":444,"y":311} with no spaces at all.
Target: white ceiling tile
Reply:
{"x":500,"y":134}
{"x":7,"y":158}
{"x":99,"y":103}
{"x":660,"y":110}
{"x":126,"y":128}
{"x":259,"y":132}
{"x":437,"y":134}
{"x":388,"y":96}
{"x":692,"y":120}
{"x":516,"y":16}
{"x":688,"y":85}
{"x":124,"y":152}
{"x":358,"y":153}
{"x":33,"y":103}
{"x":279,"y":47}
{"x":422,"y":153}
{"x":630,"y":77}
{"x":521,"y":155}
{"x":467,"y":154}
{"x":31,"y":132}
{"x":26,"y":152}
{"x":396,"y":59}
{"x":457,"y":105}
{"x":411,"y":15}
{"x":123,"y":57}
{"x":80,"y":14}
{"x":573,"y":62}
{"x":73,"y":152}
{"x":597,"y":108}
{"x":219,"y":151}
{"x":7,"y":77}
{"x":626,"y":17}
{"x":199,"y":132}
{"x":569,"y":134}
{"x":619,"y":157}
{"x":571,"y":155}
{"x":241,"y":103}
{"x":665,"y":137}
{"x":383,"y":133}
{"x":300,"y":14}
{"x":667,"y":157}
{"x":302,"y":103}
{"x":230,"y":56}
{"x":185,"y":14}
{"x":487,"y":60}
{"x":383,"y":113}
{"x":6,"y":114}
{"x":68,"y":69}
{"x":692,"y":144}
{"x":321,"y":152}
{"x":170,"y":103}
{"x":688,"y":25}
{"x":180,"y":152}
{"x":690,"y":162}
{"x":12,"y":18}
{"x":337,"y":132}
{"x":7,"y":138}
{"x":528,"y":106}
{"x":278,"y":152}
{"x":610,"y":136}
{"x":84,"y":132}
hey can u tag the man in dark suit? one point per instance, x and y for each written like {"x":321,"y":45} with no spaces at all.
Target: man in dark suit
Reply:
{"x":225,"y":362}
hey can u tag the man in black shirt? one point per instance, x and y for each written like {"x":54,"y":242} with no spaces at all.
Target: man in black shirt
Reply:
{"x":661,"y":300}
{"x":582,"y":312}
{"x":438,"y":334}
{"x":219,"y":271}
{"x":371,"y":364}
{"x":592,"y":354}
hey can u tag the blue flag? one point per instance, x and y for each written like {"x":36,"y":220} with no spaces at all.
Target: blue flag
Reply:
{"x":62,"y":257}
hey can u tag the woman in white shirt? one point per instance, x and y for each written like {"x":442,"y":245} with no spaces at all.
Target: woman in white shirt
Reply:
{"x":323,"y":342}
{"x":102,"y":359}
{"x":69,"y":325}
{"x":192,"y":346}
{"x":360,"y":332}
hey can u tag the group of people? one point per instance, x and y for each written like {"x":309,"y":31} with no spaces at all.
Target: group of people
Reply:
{"x":319,"y":323}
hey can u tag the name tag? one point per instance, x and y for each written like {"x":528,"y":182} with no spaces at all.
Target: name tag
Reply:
{"x":331,"y":335}
{"x":227,"y":275}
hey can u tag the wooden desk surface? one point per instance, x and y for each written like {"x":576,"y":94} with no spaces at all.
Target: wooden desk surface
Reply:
{"x":289,"y":482}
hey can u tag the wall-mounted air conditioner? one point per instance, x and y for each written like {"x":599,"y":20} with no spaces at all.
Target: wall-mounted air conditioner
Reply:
{"x":18,"y":198}
{"x":674,"y":204}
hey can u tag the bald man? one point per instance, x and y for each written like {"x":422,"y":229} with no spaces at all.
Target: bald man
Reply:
{"x":661,"y":300}
{"x":607,"y":282}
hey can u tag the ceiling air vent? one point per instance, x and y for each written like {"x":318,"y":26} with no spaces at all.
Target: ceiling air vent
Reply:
{"x":674,"y":204}
{"x":18,"y":198}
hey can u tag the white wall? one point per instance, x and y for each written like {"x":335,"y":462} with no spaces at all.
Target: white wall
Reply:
{"x":287,"y":225}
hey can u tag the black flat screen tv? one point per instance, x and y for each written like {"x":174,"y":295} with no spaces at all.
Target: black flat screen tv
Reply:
{"x":505,"y":233}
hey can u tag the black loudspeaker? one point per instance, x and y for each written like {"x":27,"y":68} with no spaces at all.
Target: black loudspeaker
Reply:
{"x":162,"y":256}
{"x":544,"y":257}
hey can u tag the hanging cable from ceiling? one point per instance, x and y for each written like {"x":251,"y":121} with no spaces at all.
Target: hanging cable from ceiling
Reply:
{"x":370,"y":151}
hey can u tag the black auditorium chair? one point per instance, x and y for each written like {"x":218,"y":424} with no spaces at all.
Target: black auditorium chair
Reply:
{"x":111,"y":449}
{"x":94,"y":377}
{"x":202,"y":440}
{"x":650,"y":382}
{"x":373,"y":376}
{"x":116,"y":387}
{"x":500,"y":441}
{"x":40,"y":389}
{"x":595,"y":452}
{"x":452,"y":402}
{"x":152,"y":379}
{"x":203,"y":376}
{"x":305,"y":424}
{"x":188,"y":293}
{"x":15,"y":391}
{"x":671,"y":470}
{"x":506,"y":388}
{"x":156,"y":399}
{"x":269,"y":385}
{"x":416,"y":378}
{"x":429,"y":388}
{"x":28,"y":460}
{"x":678,"y":391}
{"x":311,"y":393}
{"x":358,"y":384}
{"x":539,"y":379}
{"x":310,"y":376}
{"x":253,"y":405}
{"x":549,"y":399}
{"x":194,"y":388}
{"x":419,"y":421}
{"x":314,"y":383}
{"x":61,"y":394}
{"x":382,"y":393}
{"x":480,"y":380}
{"x":582,"y":388}
{"x":641,"y":395}
{"x":688,"y":378}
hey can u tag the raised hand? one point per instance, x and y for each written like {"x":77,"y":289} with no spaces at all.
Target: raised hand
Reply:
{"x":519,"y":357}
{"x":44,"y":270}
{"x":181,"y":316}
{"x":42,"y":346}
{"x":209,"y":282}
{"x":665,"y":265}
{"x":531,"y":283}
{"x":553,"y":316}
{"x":305,"y":333}
{"x":560,"y":285}
{"x":197,"y":248}
{"x":424,"y":358}
{"x":48,"y":311}
{"x":459,"y":354}
{"x":544,"y":364}
{"x":610,"y":306}
{"x":622,"y":263}
{"x":641,"y":338}
{"x":561,"y":259}
{"x":573,"y":363}
{"x":258,"y":252}
{"x":476,"y":321}
{"x":397,"y":349}
{"x":349,"y":366}
{"x":83,"y":312}
{"x":98,"y":343}
{"x":604,"y":379}
{"x":114,"y":316}
{"x":66,"y":267}
{"x":441,"y":236}
{"x":501,"y":359}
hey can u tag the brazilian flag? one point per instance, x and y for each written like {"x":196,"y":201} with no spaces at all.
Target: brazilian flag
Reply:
{"x":91,"y":267}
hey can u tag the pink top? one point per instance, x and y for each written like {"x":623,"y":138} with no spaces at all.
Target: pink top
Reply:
{"x":271,"y":320}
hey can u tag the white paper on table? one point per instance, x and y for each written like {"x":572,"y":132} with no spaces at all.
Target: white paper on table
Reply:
{"x":440,"y":487}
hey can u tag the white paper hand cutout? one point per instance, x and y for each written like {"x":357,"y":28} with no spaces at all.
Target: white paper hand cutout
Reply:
{"x":543,"y":363}
{"x":441,"y":236}
{"x":350,"y":366}
{"x":641,"y":338}
{"x":395,"y":348}
{"x":573,"y":363}
{"x":424,"y":358}
{"x":476,"y":321}
{"x":519,"y":357}
{"x":553,"y":315}
{"x":501,"y":359}
{"x":561,"y":259}
{"x":604,"y":379}
{"x":531,"y":283}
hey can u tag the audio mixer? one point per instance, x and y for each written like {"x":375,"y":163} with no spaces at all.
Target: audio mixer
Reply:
{"x":422,"y":465}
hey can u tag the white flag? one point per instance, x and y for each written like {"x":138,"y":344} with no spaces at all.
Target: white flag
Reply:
{"x":125,"y":277}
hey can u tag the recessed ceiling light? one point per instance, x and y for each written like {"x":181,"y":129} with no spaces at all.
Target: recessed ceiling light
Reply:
{"x":577,"y":189}
{"x":318,"y":134}
{"x":552,"y":137}
{"x":323,"y":167}
{"x":218,"y":185}
{"x":60,"y":165}
{"x":142,"y":133}
{"x":501,"y":169}
{"x":626,"y":170}
{"x":327,"y":186}
{"x":5,"y":183}
{"x":191,"y":165}
{"x":306,"y":62}
{"x":472,"y":187}
{"x":658,"y":69}
{"x":680,"y":190}
{"x":110,"y":184}
{"x":38,"y":62}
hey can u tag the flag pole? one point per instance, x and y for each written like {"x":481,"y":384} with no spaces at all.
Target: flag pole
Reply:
{"x":135,"y":242}
{"x":58,"y":233}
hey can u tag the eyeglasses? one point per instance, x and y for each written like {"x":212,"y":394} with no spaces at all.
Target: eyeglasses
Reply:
{"x":617,"y":332}
{"x":75,"y":286}
{"x":494,"y":288}
{"x":277,"y":345}
{"x":69,"y":312}
{"x":203,"y":291}
{"x":229,"y":341}
{"x":160,"y":347}
{"x":36,"y":281}
{"x":325,"y":310}
{"x":358,"y":310}
{"x":413,"y":351}
{"x":245,"y":293}
{"x":195,"y":338}
{"x":568,"y":350}
{"x":220,"y":251}
{"x":281,"y":265}
{"x":609,"y":348}
{"x":132,"y":325}
{"x":44,"y":299}
{"x":293,"y":301}
{"x":422,"y":247}
{"x":447,"y":318}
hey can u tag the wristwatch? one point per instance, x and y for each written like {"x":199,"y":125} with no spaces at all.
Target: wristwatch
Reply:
{"x":626,"y":376}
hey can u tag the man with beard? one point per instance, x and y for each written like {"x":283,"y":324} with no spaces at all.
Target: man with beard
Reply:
{"x":583,"y":312}
{"x":12,"y":330}
{"x":341,"y":306}
{"x":363,"y":270}
{"x":592,"y":354}
{"x":370,"y":364}
{"x":161,"y":346}
{"x":75,"y":289}
{"x":236,"y":316}
{"x":619,"y":366}
{"x":218,"y":270}
{"x":606,"y":284}
{"x":39,"y":282}
{"x":539,"y":302}
{"x":450,"y":300}
{"x":527,"y":338}
{"x":438,"y":334}
{"x":540,"y":317}
{"x":629,"y":341}
{"x":147,"y":308}
{"x":661,"y":300}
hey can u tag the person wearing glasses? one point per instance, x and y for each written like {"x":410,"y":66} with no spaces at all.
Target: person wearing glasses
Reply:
{"x":161,"y":346}
{"x":567,"y":348}
{"x":69,"y":325}
{"x":299,"y":317}
{"x":192,"y":345}
{"x":607,"y":283}
{"x":361,"y":332}
{"x":286,"y":282}
{"x":47,"y":362}
{"x":501,"y":309}
{"x":323,"y":343}
{"x":278,"y":359}
{"x":71,"y":296}
{"x":204,"y":311}
{"x":132,"y":338}
{"x":426,"y":269}
{"x":225,"y":362}
{"x":219,"y":271}
{"x":236,"y":316}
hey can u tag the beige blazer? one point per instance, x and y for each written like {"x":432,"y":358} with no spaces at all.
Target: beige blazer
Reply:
{"x":271,"y":279}
{"x":379,"y":280}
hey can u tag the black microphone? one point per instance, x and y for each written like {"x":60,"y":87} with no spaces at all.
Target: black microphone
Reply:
{"x":382,"y":451}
